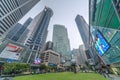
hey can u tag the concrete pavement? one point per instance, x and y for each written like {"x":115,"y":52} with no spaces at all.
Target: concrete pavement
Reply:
{"x":113,"y":77}
{"x":6,"y":78}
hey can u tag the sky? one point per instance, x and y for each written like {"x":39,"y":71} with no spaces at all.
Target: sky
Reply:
{"x":65,"y":12}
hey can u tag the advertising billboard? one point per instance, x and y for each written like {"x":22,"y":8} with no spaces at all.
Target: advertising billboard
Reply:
{"x":11,"y":51}
{"x":101,"y":45}
{"x":37,"y":61}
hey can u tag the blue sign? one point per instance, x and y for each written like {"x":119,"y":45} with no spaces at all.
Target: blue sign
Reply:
{"x":52,"y":64}
{"x":101,"y":45}
{"x":9,"y":60}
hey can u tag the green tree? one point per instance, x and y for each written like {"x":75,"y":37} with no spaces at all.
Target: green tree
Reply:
{"x":15,"y":68}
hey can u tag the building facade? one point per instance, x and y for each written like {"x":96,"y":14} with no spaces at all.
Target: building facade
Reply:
{"x":12,"y":11}
{"x":61,"y":42}
{"x":39,"y":32}
{"x":104,"y":17}
{"x":79,"y":56}
{"x":83,"y":30}
{"x":50,"y":58}
{"x":83,"y":54}
{"x":13,"y":30}
{"x":18,"y":33}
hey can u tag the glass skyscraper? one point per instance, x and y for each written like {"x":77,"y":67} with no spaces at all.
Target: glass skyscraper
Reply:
{"x":104,"y":17}
{"x":61,"y":42}
{"x":18,"y":33}
{"x":83,"y":29}
{"x":11,"y":11}
{"x":39,"y":32}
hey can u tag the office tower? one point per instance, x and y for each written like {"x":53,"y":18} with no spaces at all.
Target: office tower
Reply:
{"x":60,"y":41}
{"x":86,"y":38}
{"x":13,"y":30}
{"x":79,"y":56}
{"x":19,"y":33}
{"x":104,"y":17}
{"x":12,"y":11}
{"x":83,"y":30}
{"x":83,"y":55}
{"x":39,"y":32}
{"x":49,"y":45}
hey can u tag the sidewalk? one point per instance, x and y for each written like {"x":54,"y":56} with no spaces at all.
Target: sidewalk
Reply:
{"x":114,"y":77}
{"x":7,"y":78}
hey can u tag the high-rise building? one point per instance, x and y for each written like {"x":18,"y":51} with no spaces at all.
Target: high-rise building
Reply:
{"x":86,"y":38}
{"x":49,"y":45}
{"x":19,"y":33}
{"x":39,"y":32}
{"x":13,"y":30}
{"x":83,"y":29}
{"x":60,"y":41}
{"x":104,"y":17}
{"x":11,"y":11}
{"x":83,"y":53}
{"x":79,"y":56}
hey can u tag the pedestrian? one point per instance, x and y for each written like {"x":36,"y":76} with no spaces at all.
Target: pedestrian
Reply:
{"x":107,"y":73}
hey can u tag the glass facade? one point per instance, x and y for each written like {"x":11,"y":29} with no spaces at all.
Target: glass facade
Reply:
{"x":11,"y":11}
{"x":104,"y":16}
{"x":39,"y":33}
{"x":83,"y":29}
{"x":21,"y":31}
{"x":61,"y":42}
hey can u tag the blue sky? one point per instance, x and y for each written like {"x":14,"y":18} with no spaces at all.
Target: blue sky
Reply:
{"x":65,"y":12}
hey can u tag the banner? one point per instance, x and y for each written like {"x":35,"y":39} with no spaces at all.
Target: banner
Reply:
{"x":11,"y":51}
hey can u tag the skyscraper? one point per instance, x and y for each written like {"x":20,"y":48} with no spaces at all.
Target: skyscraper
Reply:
{"x":86,"y":38}
{"x":60,"y":41}
{"x":49,"y":45}
{"x":18,"y":33}
{"x":12,"y":11}
{"x":83,"y":29}
{"x":13,"y":30}
{"x":39,"y":27}
{"x":79,"y":56}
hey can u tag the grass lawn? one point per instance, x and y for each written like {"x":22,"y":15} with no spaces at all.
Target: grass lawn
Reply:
{"x":62,"y":76}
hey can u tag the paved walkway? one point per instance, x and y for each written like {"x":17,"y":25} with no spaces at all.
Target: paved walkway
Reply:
{"x":113,"y":77}
{"x":6,"y":78}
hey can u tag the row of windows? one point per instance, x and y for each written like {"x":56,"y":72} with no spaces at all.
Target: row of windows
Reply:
{"x":8,"y":21}
{"x":21,"y":1}
{"x":105,"y":15}
{"x":7,"y":6}
{"x":117,"y":5}
{"x":27,"y":6}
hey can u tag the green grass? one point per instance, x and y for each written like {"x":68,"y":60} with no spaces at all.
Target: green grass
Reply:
{"x":62,"y":76}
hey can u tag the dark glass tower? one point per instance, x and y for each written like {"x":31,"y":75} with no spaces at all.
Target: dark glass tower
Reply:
{"x":38,"y":36}
{"x":49,"y":45}
{"x":83,"y":29}
{"x":18,"y":33}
